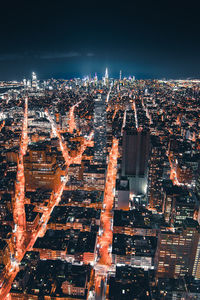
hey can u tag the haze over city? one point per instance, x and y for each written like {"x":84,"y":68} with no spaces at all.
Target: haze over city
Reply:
{"x":62,"y":39}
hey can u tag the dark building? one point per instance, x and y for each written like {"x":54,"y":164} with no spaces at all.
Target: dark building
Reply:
{"x":178,"y":204}
{"x":198,"y":183}
{"x":129,"y":283}
{"x":155,"y":174}
{"x":136,"y":146}
{"x":100,"y":129}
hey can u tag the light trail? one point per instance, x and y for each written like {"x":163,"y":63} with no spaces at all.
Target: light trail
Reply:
{"x":173,"y":173}
{"x":104,"y":240}
{"x":19,"y":215}
{"x":56,"y":197}
{"x":135,"y":111}
{"x":124,"y":122}
{"x":12,"y":268}
{"x":69,"y":159}
{"x":108,"y":108}
{"x":84,"y":145}
{"x":178,"y":120}
{"x":56,"y":132}
{"x":147,"y":114}
{"x":115,"y":111}
{"x":72,"y":121}
{"x":108,"y":95}
{"x":2,"y":125}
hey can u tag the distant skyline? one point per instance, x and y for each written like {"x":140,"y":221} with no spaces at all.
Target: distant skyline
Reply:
{"x":55,"y":39}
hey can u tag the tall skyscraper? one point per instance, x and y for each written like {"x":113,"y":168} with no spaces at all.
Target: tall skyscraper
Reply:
{"x":136,"y":146}
{"x":100,"y":129}
{"x":24,"y":82}
{"x":106,"y":73}
{"x":34,"y":81}
{"x":198,"y":182}
{"x":156,"y":166}
{"x":28,"y":83}
{"x":106,"y":77}
{"x":95,"y":78}
{"x":176,"y":252}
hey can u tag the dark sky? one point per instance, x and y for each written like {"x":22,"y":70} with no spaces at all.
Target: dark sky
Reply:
{"x":150,"y":39}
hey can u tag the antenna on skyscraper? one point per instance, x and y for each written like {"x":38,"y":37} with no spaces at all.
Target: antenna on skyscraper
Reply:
{"x":106,"y":73}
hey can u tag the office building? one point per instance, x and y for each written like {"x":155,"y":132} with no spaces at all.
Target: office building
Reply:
{"x":100,"y":129}
{"x":136,"y":145}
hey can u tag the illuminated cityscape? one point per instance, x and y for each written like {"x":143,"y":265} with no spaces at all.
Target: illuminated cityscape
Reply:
{"x":99,"y":150}
{"x":100,"y":189}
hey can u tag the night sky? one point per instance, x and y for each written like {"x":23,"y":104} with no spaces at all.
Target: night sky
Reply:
{"x":65,"y":39}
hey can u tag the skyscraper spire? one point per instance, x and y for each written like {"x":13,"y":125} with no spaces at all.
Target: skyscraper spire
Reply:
{"x":106,"y":73}
{"x":105,"y":78}
{"x":95,"y":78}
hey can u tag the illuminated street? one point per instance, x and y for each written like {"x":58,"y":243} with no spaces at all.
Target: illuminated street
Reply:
{"x":98,"y":178}
{"x":99,"y":150}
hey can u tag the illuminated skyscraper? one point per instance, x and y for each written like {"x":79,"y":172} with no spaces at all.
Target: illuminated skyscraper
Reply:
{"x":106,"y":73}
{"x":34,"y":81}
{"x":106,"y":77}
{"x":100,"y":129}
{"x":95,"y":78}
{"x":176,"y":252}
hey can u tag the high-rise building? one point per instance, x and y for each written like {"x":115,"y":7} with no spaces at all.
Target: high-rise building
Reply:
{"x":100,"y":129}
{"x":136,"y":146}
{"x":106,"y":73}
{"x":41,"y":168}
{"x":120,"y":75}
{"x":34,"y":81}
{"x":95,"y":78}
{"x":24,"y":82}
{"x":156,"y":165}
{"x":106,"y":77}
{"x":176,"y":252}
{"x":178,"y":204}
{"x":28,"y":83}
{"x":196,"y":267}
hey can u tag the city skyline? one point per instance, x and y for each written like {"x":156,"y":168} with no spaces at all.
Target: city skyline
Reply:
{"x":149,"y":39}
{"x":99,"y":186}
{"x":99,"y":150}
